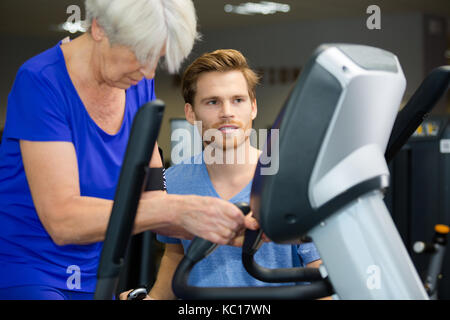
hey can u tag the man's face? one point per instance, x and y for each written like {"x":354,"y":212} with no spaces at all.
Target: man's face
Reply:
{"x":223,"y":105}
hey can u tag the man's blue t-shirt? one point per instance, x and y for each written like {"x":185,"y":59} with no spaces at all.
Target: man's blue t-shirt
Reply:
{"x":43,"y":105}
{"x":223,"y":267}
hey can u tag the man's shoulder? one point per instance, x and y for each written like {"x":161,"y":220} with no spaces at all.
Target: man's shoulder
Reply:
{"x":187,"y":165}
{"x":185,"y":174}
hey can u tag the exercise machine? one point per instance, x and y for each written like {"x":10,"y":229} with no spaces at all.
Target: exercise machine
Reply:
{"x":333,"y":134}
{"x":418,"y":197}
{"x":132,"y":181}
{"x":436,"y":251}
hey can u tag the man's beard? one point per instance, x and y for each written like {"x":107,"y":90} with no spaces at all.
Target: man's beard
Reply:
{"x":230,"y":142}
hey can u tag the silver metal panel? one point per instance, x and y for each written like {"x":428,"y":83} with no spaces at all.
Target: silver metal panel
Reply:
{"x":365,"y":114}
{"x":364,"y":255}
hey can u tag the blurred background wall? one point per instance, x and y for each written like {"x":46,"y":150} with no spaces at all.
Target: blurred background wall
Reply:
{"x":276,"y":45}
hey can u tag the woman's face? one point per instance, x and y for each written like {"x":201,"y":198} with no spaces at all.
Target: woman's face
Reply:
{"x":118,"y":66}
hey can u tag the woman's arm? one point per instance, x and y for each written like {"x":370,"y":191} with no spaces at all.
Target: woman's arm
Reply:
{"x":52,"y":173}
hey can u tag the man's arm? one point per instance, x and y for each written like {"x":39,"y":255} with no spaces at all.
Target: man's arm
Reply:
{"x":162,"y":289}
{"x":314,"y":264}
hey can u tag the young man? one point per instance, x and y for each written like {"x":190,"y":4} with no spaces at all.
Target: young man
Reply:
{"x":219,"y":91}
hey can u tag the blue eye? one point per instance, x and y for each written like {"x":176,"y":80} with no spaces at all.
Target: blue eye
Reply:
{"x":212,"y":102}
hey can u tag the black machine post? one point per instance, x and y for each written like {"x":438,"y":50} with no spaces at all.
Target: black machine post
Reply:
{"x":420,"y":170}
{"x":417,"y":108}
{"x":144,"y":133}
{"x":200,"y":248}
{"x":418,"y":199}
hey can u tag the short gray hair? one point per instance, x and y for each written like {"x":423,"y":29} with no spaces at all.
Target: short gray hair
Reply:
{"x":146,"y":25}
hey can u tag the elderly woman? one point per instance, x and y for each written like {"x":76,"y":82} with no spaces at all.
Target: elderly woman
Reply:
{"x":68,"y":121}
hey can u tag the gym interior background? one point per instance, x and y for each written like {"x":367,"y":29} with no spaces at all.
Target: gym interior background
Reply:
{"x":277,"y":46}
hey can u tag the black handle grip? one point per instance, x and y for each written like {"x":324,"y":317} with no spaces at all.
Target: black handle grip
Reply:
{"x":244,"y":207}
{"x":315,"y":290}
{"x":277,"y":275}
{"x":420,"y":104}
{"x":200,"y":248}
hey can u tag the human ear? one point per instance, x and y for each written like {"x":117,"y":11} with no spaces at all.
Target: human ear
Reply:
{"x":97,"y":32}
{"x":254,"y":109}
{"x":189,"y":113}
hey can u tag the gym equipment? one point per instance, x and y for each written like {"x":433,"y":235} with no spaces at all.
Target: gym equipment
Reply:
{"x":437,"y":251}
{"x":334,"y":130}
{"x":335,"y":123}
{"x":418,"y":198}
{"x":200,"y":248}
{"x":417,"y":108}
{"x":137,"y":294}
{"x":139,"y":267}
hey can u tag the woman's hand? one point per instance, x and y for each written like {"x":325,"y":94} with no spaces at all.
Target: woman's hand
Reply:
{"x":211,"y":218}
{"x":249,"y":223}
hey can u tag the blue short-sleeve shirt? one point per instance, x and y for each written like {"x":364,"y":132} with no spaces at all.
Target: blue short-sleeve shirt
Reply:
{"x":43,"y":105}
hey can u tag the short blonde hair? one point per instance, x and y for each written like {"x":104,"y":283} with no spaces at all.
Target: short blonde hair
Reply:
{"x":145,"y":26}
{"x":220,"y":60}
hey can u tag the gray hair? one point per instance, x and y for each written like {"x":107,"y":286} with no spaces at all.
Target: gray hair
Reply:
{"x":146,"y":25}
